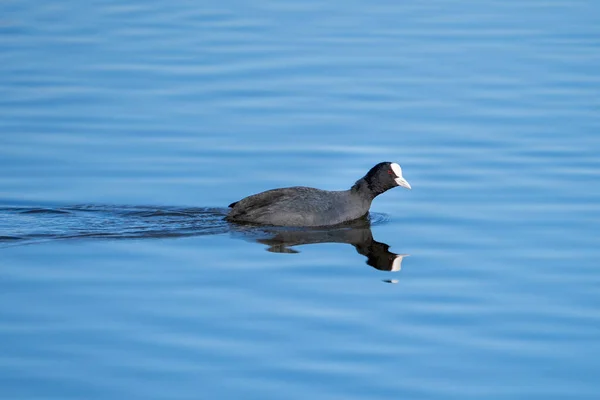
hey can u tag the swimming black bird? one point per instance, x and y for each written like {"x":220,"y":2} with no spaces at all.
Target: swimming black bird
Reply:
{"x":305,"y":206}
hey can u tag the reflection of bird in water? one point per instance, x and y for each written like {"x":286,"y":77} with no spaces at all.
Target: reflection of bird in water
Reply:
{"x":30,"y":224}
{"x":358,"y":234}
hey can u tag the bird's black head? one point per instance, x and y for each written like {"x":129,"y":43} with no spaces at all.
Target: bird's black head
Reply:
{"x":382,"y":177}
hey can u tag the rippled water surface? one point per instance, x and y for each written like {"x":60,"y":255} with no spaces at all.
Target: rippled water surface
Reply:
{"x":126,"y":127}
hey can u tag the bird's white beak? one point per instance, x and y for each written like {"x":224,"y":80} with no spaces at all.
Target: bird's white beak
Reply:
{"x":402,"y":182}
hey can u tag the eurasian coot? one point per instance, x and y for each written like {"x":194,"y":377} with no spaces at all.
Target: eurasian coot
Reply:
{"x":304,"y":206}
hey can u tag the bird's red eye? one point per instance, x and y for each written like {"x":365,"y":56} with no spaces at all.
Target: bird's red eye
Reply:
{"x":390,"y":172}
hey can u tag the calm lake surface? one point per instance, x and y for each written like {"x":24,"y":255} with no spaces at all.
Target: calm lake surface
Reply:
{"x":127,"y":127}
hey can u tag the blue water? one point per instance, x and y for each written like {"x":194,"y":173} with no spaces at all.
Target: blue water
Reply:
{"x":126,"y":127}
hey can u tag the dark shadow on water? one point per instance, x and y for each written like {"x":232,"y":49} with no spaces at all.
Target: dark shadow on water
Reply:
{"x":358,"y":234}
{"x":29,"y":225}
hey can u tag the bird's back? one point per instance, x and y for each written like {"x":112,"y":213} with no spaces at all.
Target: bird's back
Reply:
{"x":299,"y":206}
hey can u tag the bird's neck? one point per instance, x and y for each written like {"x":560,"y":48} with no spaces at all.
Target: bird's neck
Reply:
{"x":367,"y":189}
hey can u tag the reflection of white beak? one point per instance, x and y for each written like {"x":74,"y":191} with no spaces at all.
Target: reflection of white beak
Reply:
{"x":397,"y":264}
{"x":402,"y":182}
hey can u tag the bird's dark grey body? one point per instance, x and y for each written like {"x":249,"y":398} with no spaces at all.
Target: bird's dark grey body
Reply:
{"x":305,"y":206}
{"x":300,"y":206}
